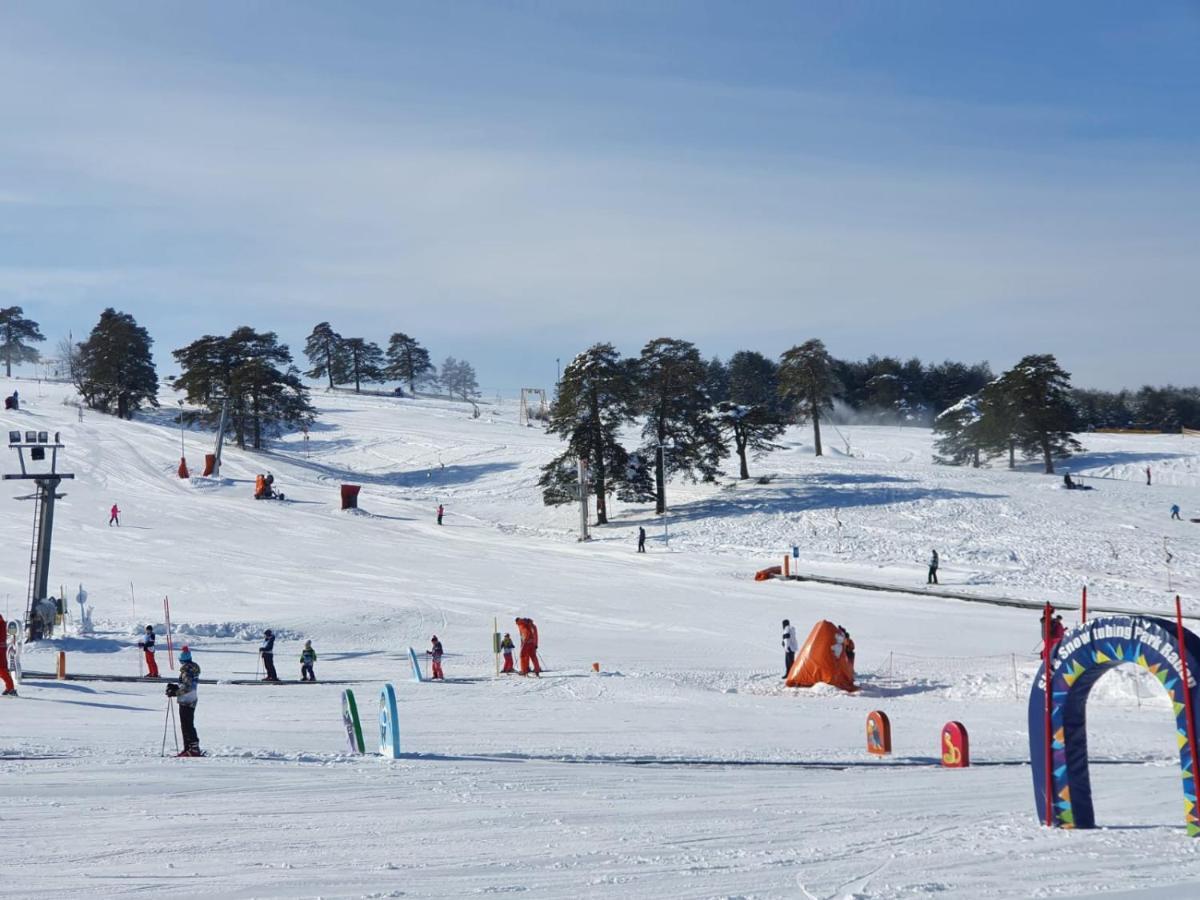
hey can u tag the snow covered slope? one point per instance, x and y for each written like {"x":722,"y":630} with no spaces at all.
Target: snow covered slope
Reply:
{"x":684,"y":768}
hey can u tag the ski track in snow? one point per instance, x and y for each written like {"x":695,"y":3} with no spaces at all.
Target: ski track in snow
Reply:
{"x":684,"y":769}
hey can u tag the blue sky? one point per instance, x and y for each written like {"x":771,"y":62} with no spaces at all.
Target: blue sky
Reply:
{"x":512,"y":181}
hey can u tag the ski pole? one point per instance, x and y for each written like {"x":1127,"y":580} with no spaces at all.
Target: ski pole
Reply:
{"x":174,"y":727}
{"x":166,"y":720}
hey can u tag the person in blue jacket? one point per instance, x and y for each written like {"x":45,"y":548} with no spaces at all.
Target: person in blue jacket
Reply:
{"x":267,"y":651}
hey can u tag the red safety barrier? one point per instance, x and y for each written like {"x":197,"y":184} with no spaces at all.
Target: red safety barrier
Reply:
{"x":350,"y":495}
{"x":183,"y":469}
{"x":210,"y":463}
{"x":879,"y":733}
{"x":956,"y":750}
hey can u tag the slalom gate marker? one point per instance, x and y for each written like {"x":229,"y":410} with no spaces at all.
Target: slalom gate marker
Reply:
{"x":389,"y":724}
{"x":879,"y":733}
{"x":61,"y":670}
{"x":1165,"y":649}
{"x":955,"y":746}
{"x":595,"y":667}
{"x":350,"y":720}
{"x":416,"y":666}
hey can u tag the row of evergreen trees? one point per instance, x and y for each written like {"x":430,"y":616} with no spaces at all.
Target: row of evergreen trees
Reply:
{"x":668,"y":389}
{"x":357,"y":361}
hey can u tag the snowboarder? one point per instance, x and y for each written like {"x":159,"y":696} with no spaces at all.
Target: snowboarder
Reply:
{"x":1175,"y":511}
{"x":529,"y":646}
{"x":146,"y":645}
{"x":641,"y":539}
{"x":12,"y":402}
{"x":269,"y":481}
{"x":186,"y":692}
{"x":308,"y":656}
{"x":933,"y":567}
{"x":789,"y":647}
{"x":435,"y":652}
{"x":1147,"y":476}
{"x":9,"y":689}
{"x":506,"y":647}
{"x":1068,"y":482}
{"x":114,"y":515}
{"x":267,"y":651}
{"x":848,"y":645}
{"x":440,"y":512}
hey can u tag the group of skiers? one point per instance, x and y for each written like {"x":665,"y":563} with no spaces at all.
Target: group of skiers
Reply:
{"x":264,"y":487}
{"x":528,"y":632}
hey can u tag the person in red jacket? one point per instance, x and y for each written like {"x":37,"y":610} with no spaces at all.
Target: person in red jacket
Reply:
{"x":9,"y":689}
{"x":529,"y":645}
{"x":114,"y":515}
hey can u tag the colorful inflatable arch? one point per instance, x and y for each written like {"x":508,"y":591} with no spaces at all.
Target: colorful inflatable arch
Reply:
{"x":1079,"y":661}
{"x":823,"y":659}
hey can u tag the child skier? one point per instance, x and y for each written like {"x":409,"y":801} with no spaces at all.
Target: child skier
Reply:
{"x":9,"y":689}
{"x":187,"y":693}
{"x":506,"y":647}
{"x":114,"y":515}
{"x":146,"y":644}
{"x":308,"y":656}
{"x":435,"y":651}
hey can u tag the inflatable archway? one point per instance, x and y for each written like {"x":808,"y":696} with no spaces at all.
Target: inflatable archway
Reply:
{"x":1080,"y":659}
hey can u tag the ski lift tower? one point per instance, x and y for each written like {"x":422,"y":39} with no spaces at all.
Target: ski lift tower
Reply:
{"x":37,"y":443}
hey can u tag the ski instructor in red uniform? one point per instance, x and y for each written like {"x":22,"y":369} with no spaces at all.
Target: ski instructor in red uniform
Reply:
{"x":10,"y":689}
{"x":529,"y":645}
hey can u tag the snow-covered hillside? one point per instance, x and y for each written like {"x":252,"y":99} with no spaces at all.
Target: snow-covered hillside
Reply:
{"x":683,"y":768}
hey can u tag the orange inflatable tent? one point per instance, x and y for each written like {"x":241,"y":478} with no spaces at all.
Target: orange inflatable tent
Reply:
{"x":823,"y":660}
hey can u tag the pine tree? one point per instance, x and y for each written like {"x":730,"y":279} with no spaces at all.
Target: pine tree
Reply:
{"x":114,"y":367}
{"x":255,"y":373}
{"x":364,"y":362}
{"x":458,"y":377}
{"x":717,"y":380}
{"x":681,"y":430}
{"x":1039,"y":390}
{"x":959,"y":431}
{"x":16,"y":332}
{"x":408,"y":361}
{"x":753,"y":414}
{"x":326,"y":350}
{"x":806,"y":380}
{"x":595,"y":399}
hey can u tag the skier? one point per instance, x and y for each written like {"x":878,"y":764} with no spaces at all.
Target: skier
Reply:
{"x":114,"y":515}
{"x":933,"y":567}
{"x":440,"y":512}
{"x":789,"y":647}
{"x":1147,"y":476}
{"x":9,"y":689}
{"x":1068,"y":482}
{"x":529,"y":645}
{"x":641,"y":539}
{"x":435,"y":651}
{"x":146,"y":644}
{"x":267,"y":651}
{"x":308,"y":656}
{"x":506,"y":647}
{"x":1175,"y":511}
{"x":186,"y":692}
{"x":269,"y":483}
{"x":848,"y":645}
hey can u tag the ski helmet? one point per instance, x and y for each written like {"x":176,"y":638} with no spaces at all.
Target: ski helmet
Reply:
{"x":268,"y":633}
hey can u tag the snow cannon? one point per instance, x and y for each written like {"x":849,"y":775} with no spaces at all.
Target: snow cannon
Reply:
{"x":824,"y":659}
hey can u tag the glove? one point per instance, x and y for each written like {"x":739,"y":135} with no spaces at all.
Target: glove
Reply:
{"x":172,"y":690}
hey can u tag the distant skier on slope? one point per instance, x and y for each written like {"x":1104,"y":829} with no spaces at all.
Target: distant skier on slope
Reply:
{"x":10,"y":689}
{"x":789,"y":647}
{"x":506,"y":647}
{"x":267,"y":651}
{"x":529,"y":646}
{"x":1147,"y":476}
{"x":114,"y":516}
{"x":1175,"y":511}
{"x":308,"y":656}
{"x":641,"y":539}
{"x":441,"y":511}
{"x":435,"y":653}
{"x":146,"y":644}
{"x":187,"y":693}
{"x":933,"y":568}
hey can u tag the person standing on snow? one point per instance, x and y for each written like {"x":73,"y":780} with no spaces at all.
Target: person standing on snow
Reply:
{"x":1147,"y":476}
{"x":114,"y":515}
{"x":267,"y":651}
{"x":1175,"y":511}
{"x":933,"y":567}
{"x":435,"y":652}
{"x":641,"y":539}
{"x":506,"y":647}
{"x":10,"y":689}
{"x":187,"y":692}
{"x":789,"y":647}
{"x":529,"y":645}
{"x":308,"y":656}
{"x":146,"y":644}
{"x":441,"y":512}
